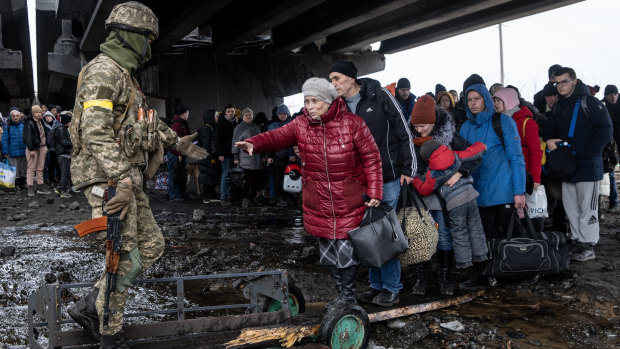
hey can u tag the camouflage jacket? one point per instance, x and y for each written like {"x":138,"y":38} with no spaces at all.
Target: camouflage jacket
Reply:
{"x":108,"y":140}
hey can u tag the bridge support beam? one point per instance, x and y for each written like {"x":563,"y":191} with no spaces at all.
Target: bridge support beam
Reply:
{"x":258,"y":82}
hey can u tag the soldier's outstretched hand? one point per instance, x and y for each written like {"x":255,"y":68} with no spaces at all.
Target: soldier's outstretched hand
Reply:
{"x":189,"y":149}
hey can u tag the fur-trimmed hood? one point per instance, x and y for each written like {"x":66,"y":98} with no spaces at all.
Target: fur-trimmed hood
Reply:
{"x":444,"y":129}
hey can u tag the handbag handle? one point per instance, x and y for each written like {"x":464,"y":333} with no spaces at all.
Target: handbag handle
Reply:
{"x":369,"y":209}
{"x":529,"y":226}
{"x":404,"y":190}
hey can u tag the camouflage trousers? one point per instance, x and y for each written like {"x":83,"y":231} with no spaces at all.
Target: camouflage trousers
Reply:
{"x":138,"y":230}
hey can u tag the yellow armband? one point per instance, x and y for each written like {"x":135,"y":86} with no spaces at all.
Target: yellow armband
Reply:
{"x":103,"y":103}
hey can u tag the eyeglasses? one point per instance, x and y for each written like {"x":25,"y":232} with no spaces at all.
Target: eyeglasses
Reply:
{"x":562,"y":83}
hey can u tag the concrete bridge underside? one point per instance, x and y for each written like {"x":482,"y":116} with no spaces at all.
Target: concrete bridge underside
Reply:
{"x":211,"y":53}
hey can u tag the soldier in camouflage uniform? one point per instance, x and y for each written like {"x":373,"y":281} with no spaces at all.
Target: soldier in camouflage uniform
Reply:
{"x":116,"y":137}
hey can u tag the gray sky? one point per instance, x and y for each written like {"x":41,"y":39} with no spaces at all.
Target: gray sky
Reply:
{"x":583,"y":36}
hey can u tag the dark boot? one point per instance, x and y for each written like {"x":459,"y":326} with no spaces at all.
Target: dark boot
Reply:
{"x":84,"y":313}
{"x":20,"y":183}
{"x":445,"y":260}
{"x":368,"y":295}
{"x":386,"y":298}
{"x":335,"y":273}
{"x":115,"y":341}
{"x":421,"y":278}
{"x":30,"y":190}
{"x":349,"y":278}
{"x":477,"y":282}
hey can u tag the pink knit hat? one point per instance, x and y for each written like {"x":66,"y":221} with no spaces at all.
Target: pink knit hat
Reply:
{"x":509,"y":96}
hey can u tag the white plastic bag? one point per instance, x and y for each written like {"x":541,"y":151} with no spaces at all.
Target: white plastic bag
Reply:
{"x":537,"y":203}
{"x":7,"y":175}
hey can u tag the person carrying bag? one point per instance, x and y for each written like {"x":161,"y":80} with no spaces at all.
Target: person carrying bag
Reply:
{"x":561,"y":163}
{"x":379,"y":238}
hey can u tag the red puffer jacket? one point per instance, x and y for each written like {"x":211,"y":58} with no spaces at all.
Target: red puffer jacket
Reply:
{"x":530,"y":143}
{"x":340,"y":161}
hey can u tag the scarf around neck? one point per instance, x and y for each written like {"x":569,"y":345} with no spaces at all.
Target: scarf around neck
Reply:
{"x":126,"y":58}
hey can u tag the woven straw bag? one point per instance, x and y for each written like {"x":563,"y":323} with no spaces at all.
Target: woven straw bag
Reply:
{"x":418,"y":226}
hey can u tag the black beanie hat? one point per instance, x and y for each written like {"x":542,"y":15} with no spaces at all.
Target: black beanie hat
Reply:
{"x":345,"y":67}
{"x":439,"y":88}
{"x":552,"y":69}
{"x":610,"y":89}
{"x":428,"y":148}
{"x":180,"y":109}
{"x":403,"y":83}
{"x":65,"y":117}
{"x":473,"y":79}
{"x":549,"y":90}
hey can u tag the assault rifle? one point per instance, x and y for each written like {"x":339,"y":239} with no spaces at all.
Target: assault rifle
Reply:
{"x":112,"y":253}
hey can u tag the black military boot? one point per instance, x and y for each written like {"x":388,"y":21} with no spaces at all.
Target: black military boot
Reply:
{"x":421,"y":278}
{"x":445,"y":260}
{"x":335,"y":273}
{"x":349,"y":278}
{"x":477,"y":282}
{"x":84,"y":313}
{"x":115,"y":341}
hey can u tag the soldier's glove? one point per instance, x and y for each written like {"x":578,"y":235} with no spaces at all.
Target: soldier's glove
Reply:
{"x":120,"y":202}
{"x":189,"y":149}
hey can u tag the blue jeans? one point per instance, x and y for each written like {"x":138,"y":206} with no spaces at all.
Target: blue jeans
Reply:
{"x":173,"y":188}
{"x":445,"y":237}
{"x":224,"y":188}
{"x":613,"y":191}
{"x":388,"y":276}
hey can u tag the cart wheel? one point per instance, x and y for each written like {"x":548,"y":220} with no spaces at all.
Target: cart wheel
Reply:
{"x":345,"y":327}
{"x":296,"y":301}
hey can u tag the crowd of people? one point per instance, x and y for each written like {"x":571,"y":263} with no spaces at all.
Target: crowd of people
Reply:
{"x":472,"y":159}
{"x":38,"y":145}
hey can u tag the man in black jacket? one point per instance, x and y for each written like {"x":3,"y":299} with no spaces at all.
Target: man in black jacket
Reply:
{"x":383,"y":116}
{"x":63,"y":148}
{"x":223,"y":145}
{"x":592,"y":131}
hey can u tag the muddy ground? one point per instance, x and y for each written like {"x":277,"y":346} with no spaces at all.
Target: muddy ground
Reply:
{"x":576,"y":310}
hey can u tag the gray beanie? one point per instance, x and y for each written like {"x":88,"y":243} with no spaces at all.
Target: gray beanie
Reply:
{"x":319,"y":88}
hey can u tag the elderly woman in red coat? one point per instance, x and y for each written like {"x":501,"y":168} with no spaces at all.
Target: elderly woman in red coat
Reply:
{"x":340,"y":161}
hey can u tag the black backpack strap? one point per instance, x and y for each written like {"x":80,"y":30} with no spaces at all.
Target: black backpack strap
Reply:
{"x":584,"y":105}
{"x":496,"y":121}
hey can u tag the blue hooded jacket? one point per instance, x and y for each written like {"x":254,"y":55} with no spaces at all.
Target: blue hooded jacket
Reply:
{"x":13,"y":139}
{"x":501,"y":174}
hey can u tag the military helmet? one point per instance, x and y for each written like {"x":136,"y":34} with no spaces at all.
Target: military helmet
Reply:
{"x":133,"y":16}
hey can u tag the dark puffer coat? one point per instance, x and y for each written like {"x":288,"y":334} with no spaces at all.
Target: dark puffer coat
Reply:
{"x":209,"y":169}
{"x":339,"y":162}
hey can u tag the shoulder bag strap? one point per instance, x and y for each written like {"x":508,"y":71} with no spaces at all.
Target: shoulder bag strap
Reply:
{"x":573,"y":120}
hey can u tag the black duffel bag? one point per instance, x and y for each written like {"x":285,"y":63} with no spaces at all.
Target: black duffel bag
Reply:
{"x":543,"y":253}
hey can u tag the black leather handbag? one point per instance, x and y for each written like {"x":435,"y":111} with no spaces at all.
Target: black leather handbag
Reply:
{"x":379,"y":238}
{"x":543,"y":253}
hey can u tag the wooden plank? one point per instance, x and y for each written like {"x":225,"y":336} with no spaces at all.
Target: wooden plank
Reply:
{"x":289,"y":335}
